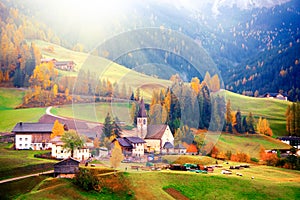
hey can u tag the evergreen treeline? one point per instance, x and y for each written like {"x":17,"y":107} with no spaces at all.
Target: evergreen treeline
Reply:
{"x":293,"y":119}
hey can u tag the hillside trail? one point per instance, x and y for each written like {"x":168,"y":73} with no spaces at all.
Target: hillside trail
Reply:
{"x":26,"y":176}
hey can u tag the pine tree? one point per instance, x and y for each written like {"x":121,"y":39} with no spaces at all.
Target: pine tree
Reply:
{"x":228,"y":117}
{"x":250,"y":123}
{"x":107,"y":126}
{"x":238,"y":118}
{"x":288,"y":116}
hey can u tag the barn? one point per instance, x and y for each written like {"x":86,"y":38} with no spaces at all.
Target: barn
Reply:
{"x":66,"y":168}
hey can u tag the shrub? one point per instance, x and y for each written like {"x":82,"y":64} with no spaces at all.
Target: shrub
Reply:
{"x":86,"y":179}
{"x":254,"y":160}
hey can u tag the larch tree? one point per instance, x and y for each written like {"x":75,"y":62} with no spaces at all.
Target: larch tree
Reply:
{"x":116,"y":156}
{"x":58,"y":129}
{"x":228,"y":117}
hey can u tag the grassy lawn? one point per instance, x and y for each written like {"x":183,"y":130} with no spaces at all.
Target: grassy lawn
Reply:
{"x":12,"y":190}
{"x":15,"y":163}
{"x":268,"y":183}
{"x":272,"y":109}
{"x":249,"y":144}
{"x":9,"y":99}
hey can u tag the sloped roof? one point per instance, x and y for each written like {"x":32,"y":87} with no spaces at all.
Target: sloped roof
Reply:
{"x":179,"y":146}
{"x":142,"y":110}
{"x":155,"y":131}
{"x":168,"y":145}
{"x":67,"y":160}
{"x":123,"y":142}
{"x":33,"y":128}
{"x":134,"y":140}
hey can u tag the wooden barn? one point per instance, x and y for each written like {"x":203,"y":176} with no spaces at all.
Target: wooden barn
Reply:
{"x":66,"y":168}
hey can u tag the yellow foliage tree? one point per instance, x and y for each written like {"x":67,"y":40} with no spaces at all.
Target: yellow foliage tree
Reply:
{"x":116,"y":155}
{"x":263,"y":127}
{"x":96,"y":142}
{"x":58,"y":129}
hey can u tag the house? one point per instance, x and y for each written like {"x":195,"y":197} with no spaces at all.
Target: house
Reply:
{"x":133,"y":146}
{"x":65,"y":65}
{"x":291,"y":140}
{"x":58,"y":151}
{"x":66,"y":168}
{"x":62,"y":65}
{"x":179,"y":149}
{"x":158,"y":138}
{"x":275,"y":96}
{"x":35,"y":136}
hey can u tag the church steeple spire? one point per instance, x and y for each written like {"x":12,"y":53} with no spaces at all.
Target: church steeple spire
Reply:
{"x":142,"y":120}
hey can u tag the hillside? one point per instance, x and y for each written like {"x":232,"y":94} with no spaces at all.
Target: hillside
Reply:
{"x":272,"y":109}
{"x":100,"y":67}
{"x":9,"y":99}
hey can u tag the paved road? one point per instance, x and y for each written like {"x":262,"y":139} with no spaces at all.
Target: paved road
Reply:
{"x":48,"y":112}
{"x":26,"y":176}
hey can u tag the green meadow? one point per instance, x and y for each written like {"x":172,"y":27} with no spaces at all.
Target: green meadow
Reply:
{"x":272,"y":109}
{"x":9,"y":99}
{"x":18,"y":163}
{"x":267,"y":183}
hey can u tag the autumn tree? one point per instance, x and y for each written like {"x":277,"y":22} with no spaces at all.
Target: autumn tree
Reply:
{"x":72,"y":140}
{"x":250,"y":123}
{"x":116,"y":155}
{"x":228,"y":117}
{"x":263,"y":127}
{"x":58,"y":129}
{"x":96,"y":142}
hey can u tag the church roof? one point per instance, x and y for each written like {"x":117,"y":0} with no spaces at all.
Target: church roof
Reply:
{"x":142,"y":110}
{"x":155,"y":131}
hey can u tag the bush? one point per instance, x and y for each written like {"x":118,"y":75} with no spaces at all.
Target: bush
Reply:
{"x":86,"y":179}
{"x":254,"y":160}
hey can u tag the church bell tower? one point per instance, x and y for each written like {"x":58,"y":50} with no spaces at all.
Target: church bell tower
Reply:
{"x":142,"y":121}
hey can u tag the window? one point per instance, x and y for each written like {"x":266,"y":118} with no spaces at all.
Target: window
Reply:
{"x":20,"y":145}
{"x":20,"y":139}
{"x":26,"y":139}
{"x":25,"y":145}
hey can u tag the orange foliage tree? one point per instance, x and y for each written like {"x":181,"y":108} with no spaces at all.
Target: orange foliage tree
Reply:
{"x":58,"y":129}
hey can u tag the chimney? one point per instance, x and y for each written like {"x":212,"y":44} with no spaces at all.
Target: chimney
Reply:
{"x":21,"y":123}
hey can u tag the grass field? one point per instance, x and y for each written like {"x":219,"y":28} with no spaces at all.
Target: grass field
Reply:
{"x":249,"y":144}
{"x":9,"y":99}
{"x":100,"y":67}
{"x":17,"y":163}
{"x":268,"y":183}
{"x":272,"y":109}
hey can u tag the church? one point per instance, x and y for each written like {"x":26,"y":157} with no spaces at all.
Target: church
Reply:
{"x":154,"y":138}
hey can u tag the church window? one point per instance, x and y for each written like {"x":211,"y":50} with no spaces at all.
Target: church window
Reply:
{"x":144,"y":121}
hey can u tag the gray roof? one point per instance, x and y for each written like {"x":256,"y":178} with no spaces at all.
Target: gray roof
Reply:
{"x":179,"y":146}
{"x":168,"y":145}
{"x":124,"y":143}
{"x":33,"y":128}
{"x":135,"y":140}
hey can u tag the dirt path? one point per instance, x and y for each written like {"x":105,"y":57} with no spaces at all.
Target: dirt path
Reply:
{"x":26,"y":176}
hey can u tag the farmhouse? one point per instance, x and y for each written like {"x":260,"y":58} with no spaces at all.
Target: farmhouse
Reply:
{"x":291,"y":140}
{"x":34,"y":136}
{"x":66,"y":168}
{"x":62,"y":65}
{"x":65,"y":65}
{"x":131,"y":145}
{"x":274,"y":96}
{"x":58,"y":151}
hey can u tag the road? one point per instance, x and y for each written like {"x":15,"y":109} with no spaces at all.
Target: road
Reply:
{"x":48,"y":112}
{"x":26,"y":176}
